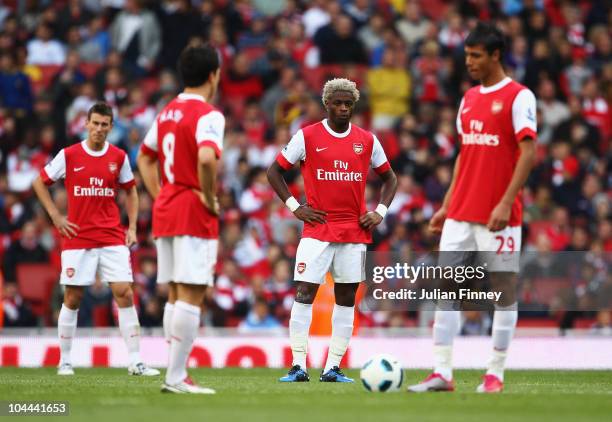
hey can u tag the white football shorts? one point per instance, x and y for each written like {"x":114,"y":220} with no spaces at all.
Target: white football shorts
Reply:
{"x":186,"y":259}
{"x":111,"y":263}
{"x":314,"y":258}
{"x":499,"y":250}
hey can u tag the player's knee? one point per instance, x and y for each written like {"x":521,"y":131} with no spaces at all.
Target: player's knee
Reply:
{"x":345,"y":294}
{"x":305,"y":294}
{"x":72,"y":298}
{"x":346,"y":299}
{"x":124,"y":294}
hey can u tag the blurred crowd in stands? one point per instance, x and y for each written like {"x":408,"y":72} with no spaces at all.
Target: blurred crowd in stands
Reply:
{"x":58,"y":57}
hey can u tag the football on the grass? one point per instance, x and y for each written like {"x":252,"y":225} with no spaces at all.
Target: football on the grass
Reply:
{"x":382,"y":373}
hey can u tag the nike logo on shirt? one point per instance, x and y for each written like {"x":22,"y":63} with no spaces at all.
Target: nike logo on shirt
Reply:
{"x":79,"y":168}
{"x":321,"y":149}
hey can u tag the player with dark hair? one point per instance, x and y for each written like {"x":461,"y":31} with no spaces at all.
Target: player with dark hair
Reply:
{"x":184,"y":144}
{"x":95,"y":243}
{"x":482,"y":210}
{"x":335,"y":157}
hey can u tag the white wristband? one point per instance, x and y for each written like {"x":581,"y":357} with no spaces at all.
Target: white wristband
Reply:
{"x":381,"y":210}
{"x":292,"y":204}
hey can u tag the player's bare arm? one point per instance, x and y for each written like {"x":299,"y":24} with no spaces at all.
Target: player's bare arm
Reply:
{"x":437,"y":220}
{"x":207,"y":174}
{"x":371,"y":219}
{"x":501,"y":213}
{"x":66,"y":228}
{"x":132,"y":212}
{"x":149,"y":171}
{"x":304,"y":212}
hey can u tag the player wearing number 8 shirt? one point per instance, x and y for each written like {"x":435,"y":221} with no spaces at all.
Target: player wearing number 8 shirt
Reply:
{"x":186,"y":141}
{"x":482,"y":210}
{"x":335,"y":158}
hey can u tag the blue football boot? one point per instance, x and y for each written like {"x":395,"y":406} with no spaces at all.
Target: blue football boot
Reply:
{"x":295,"y":374}
{"x":335,"y":375}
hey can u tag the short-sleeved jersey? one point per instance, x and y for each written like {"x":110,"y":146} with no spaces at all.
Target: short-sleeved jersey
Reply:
{"x":186,"y":124}
{"x":92,"y":179}
{"x":491,"y":123}
{"x":335,"y":168}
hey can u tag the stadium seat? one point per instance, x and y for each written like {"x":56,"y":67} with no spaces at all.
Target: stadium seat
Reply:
{"x":548,"y":288}
{"x":90,"y":69}
{"x":35,"y":283}
{"x":46,"y":73}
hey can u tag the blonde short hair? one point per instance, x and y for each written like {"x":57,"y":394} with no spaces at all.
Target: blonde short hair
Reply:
{"x":339,"y":84}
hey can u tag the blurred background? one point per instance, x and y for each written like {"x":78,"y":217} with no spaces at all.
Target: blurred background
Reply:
{"x":58,"y":57}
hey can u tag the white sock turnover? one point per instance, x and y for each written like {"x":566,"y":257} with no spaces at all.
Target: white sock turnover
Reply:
{"x":130,"y":330}
{"x":342,"y":330}
{"x":446,"y":326}
{"x":184,"y":329}
{"x":168,"y":310}
{"x":299,"y":326}
{"x":504,"y":324}
{"x":66,"y":329}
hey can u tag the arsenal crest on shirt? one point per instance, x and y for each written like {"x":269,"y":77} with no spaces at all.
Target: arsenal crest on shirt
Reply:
{"x":496,"y":106}
{"x":112,"y":167}
{"x":70,"y":272}
{"x":358,"y":148}
{"x":301,"y":267}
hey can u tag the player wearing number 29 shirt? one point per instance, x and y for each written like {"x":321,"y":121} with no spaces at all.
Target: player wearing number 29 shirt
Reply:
{"x":183,"y":145}
{"x":335,"y":158}
{"x":482,"y":210}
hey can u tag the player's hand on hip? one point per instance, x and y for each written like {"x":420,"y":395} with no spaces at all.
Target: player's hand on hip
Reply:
{"x":66,"y":228}
{"x":370,"y":219}
{"x":213,"y":206}
{"x":130,"y":237}
{"x":212,"y":203}
{"x":499,"y":217}
{"x":437,"y":221}
{"x":310,"y":215}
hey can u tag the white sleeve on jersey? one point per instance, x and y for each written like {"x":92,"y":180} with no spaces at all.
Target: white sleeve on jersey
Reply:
{"x":295,"y":150}
{"x":378,"y":154}
{"x":524,"y":111}
{"x":210,"y":128}
{"x":150,"y":139}
{"x":125,"y":174}
{"x":459,"y":128}
{"x":56,"y":169}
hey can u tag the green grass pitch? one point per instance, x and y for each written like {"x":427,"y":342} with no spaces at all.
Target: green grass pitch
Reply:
{"x":249,"y":395}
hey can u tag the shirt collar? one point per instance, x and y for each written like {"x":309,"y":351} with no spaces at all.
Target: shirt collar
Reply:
{"x":185,"y":96}
{"x":92,"y":152}
{"x":497,"y":86}
{"x":336,"y":134}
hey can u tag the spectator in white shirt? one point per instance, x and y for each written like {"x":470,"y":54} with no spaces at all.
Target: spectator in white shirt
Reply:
{"x":43,"y":50}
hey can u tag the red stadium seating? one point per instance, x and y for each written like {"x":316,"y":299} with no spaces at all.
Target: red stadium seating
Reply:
{"x":35,"y":283}
{"x":47,"y":73}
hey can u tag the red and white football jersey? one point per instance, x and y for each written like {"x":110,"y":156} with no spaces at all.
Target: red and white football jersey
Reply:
{"x":92,"y":181}
{"x":187,"y":123}
{"x":335,"y":168}
{"x":491,"y":123}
